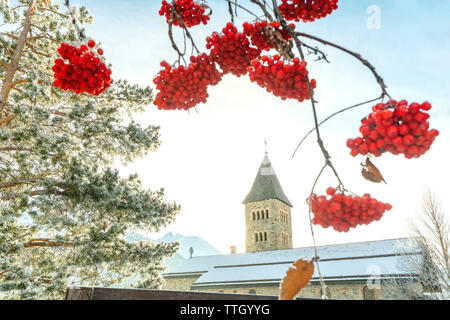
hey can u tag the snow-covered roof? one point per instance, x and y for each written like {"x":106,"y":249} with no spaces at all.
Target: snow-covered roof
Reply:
{"x":340,"y":261}
{"x":331,"y":269}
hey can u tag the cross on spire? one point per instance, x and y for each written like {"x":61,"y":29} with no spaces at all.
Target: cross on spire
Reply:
{"x":265,"y":146}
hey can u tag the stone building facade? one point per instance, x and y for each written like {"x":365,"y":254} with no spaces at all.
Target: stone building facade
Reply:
{"x":345,"y":291}
{"x":348,"y":269}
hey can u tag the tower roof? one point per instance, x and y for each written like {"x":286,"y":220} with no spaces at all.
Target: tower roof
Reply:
{"x":266,"y":185}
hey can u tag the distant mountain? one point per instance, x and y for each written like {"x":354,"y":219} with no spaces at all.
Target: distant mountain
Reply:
{"x":174,"y":261}
{"x":136,"y":237}
{"x":200,"y":246}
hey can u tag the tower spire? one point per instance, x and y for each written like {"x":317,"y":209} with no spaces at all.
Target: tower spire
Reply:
{"x":266,"y":185}
{"x":267,"y":212}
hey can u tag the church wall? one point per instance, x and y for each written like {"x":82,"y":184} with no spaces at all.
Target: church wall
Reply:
{"x":310,"y":291}
{"x":348,"y":291}
{"x":345,"y":291}
{"x":179,"y":283}
{"x":262,"y":290}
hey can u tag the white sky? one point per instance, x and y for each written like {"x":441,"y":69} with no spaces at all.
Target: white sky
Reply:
{"x":208,"y":160}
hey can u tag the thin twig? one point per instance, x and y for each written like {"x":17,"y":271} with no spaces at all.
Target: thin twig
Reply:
{"x":316,"y":256}
{"x":243,"y":8}
{"x":174,"y":45}
{"x":319,"y":139}
{"x":316,"y":51}
{"x":354,"y":54}
{"x":264,"y":9}
{"x":230,"y":10}
{"x":331,"y":116}
{"x":180,"y":20}
{"x":298,"y":44}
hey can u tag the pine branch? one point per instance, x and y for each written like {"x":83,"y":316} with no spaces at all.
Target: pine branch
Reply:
{"x":48,"y":243}
{"x":13,"y":66}
{"x":7,"y":119}
{"x":15,"y":183}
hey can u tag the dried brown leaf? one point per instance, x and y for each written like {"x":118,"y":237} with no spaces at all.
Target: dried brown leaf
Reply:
{"x":297,"y":277}
{"x":370,"y":172}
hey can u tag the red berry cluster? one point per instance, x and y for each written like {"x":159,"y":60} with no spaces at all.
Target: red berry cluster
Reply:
{"x":397,"y":128}
{"x":258,"y":33}
{"x":190,"y":12}
{"x":288,"y":81}
{"x":185,"y":87}
{"x":343,"y":212}
{"x":306,"y":10}
{"x":84,"y":72}
{"x":231,"y":51}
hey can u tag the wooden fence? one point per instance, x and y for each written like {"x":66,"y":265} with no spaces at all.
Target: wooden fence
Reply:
{"x":94,"y":293}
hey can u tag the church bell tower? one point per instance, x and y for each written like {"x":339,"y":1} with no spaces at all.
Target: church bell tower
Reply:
{"x":268,"y":223}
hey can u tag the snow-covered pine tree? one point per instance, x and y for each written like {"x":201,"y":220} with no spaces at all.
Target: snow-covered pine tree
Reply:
{"x":63,"y":209}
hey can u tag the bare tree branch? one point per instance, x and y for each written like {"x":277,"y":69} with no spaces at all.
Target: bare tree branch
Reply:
{"x":430,"y":233}
{"x":331,"y":116}
{"x":354,"y":54}
{"x":298,"y":44}
{"x":46,"y":243}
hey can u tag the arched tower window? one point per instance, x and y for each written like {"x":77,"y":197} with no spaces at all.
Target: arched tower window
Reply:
{"x":267,"y":214}
{"x":254,"y":215}
{"x":368,"y":294}
{"x":256,"y":237}
{"x":265,"y":236}
{"x":260,"y":236}
{"x":257,"y":213}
